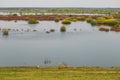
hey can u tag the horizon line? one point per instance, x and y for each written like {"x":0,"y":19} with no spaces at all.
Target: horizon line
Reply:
{"x":55,"y":7}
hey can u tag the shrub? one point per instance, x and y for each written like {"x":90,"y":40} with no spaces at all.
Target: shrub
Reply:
{"x":63,"y":29}
{"x":78,"y":18}
{"x":109,"y":17}
{"x":32,"y":21}
{"x":15,"y":15}
{"x":74,"y":20}
{"x":68,"y":18}
{"x":15,"y":21}
{"x":110,"y":22}
{"x":34,"y":30}
{"x":100,"y":20}
{"x":89,"y":20}
{"x":5,"y":31}
{"x":81,"y":18}
{"x":66,"y":21}
{"x":52,"y":30}
{"x":117,"y":22}
{"x":115,"y":28}
{"x":57,"y":19}
{"x":92,"y":22}
{"x":104,"y":29}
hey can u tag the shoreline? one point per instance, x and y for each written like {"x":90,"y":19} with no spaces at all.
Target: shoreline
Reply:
{"x":55,"y":73}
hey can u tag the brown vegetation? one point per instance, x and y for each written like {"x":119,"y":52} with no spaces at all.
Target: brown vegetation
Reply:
{"x":104,"y":29}
{"x":115,"y":28}
{"x":38,"y":17}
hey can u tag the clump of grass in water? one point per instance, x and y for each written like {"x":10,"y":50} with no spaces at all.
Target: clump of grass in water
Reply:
{"x":32,"y":21}
{"x":5,"y":32}
{"x":57,"y":19}
{"x":63,"y":29}
{"x":66,"y":21}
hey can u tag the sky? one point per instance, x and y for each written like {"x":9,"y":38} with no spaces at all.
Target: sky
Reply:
{"x":61,"y":3}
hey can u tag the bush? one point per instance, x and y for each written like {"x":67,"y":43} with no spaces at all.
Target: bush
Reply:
{"x":5,"y":31}
{"x":89,"y":20}
{"x":15,"y":21}
{"x":81,"y":18}
{"x":117,"y":22}
{"x":15,"y":15}
{"x":74,"y":20}
{"x":66,"y":21}
{"x":63,"y":29}
{"x":109,"y":17}
{"x":100,"y":20}
{"x":32,"y":21}
{"x":57,"y":19}
{"x":110,"y":22}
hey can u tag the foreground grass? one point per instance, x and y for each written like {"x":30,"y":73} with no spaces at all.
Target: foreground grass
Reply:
{"x":59,"y":73}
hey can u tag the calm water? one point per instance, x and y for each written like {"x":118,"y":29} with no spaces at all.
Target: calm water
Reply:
{"x":85,"y":46}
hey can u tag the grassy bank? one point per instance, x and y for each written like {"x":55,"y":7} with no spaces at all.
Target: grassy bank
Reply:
{"x":59,"y":73}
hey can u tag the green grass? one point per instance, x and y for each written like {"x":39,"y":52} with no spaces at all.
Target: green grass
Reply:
{"x":59,"y":73}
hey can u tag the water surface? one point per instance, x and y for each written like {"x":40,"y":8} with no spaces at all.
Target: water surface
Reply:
{"x":81,"y":45}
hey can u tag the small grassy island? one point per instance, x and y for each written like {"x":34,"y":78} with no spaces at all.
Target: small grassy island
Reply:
{"x":5,"y":32}
{"x":32,"y":21}
{"x":63,"y":29}
{"x":66,"y":21}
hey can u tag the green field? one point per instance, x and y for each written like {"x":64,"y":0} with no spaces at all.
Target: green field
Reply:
{"x":59,"y":73}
